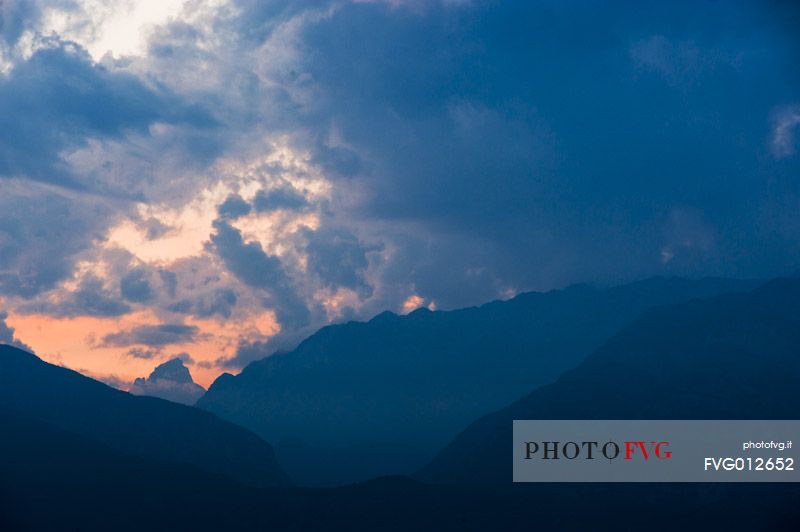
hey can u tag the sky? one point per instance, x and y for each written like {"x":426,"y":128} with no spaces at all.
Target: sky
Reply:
{"x":215,"y":180}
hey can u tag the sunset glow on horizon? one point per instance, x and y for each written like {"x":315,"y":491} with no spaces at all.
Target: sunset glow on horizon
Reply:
{"x":77,"y":343}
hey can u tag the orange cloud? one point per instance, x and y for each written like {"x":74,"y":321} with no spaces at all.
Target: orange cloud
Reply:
{"x":413,"y":302}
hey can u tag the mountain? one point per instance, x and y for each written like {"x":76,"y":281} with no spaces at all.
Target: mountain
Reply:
{"x":171,"y":381}
{"x":48,"y":474}
{"x":359,"y":400}
{"x":698,"y":357}
{"x":144,"y":427}
{"x":52,"y":479}
{"x":734,"y":356}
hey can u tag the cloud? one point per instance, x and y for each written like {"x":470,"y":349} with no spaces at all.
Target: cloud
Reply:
{"x":250,"y":264}
{"x":339,"y":259}
{"x":543,"y":168}
{"x":185,"y":357}
{"x":152,"y":335}
{"x":143,"y":354}
{"x":110,"y":379}
{"x":170,"y":281}
{"x":15,"y":17}
{"x":58,"y":103}
{"x":58,"y":99}
{"x":785,"y":121}
{"x":412,"y":303}
{"x":687,"y":235}
{"x":233,"y":207}
{"x":155,"y":228}
{"x":135,"y":286}
{"x":89,"y":298}
{"x":330,"y":160}
{"x":7,"y":335}
{"x":247,"y":352}
{"x":41,"y":233}
{"x":338,"y":161}
{"x":246,"y":260}
{"x":93,"y":300}
{"x":281,"y":197}
{"x":678,"y":63}
{"x":220,"y":301}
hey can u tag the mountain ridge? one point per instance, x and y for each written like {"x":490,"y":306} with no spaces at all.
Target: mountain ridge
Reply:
{"x":141,"y":426}
{"x":732,"y":356}
{"x":405,"y":385}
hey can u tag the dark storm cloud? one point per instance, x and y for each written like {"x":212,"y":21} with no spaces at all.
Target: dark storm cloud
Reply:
{"x":233,"y":207}
{"x":40,"y":234}
{"x":90,"y":298}
{"x":282,"y":197}
{"x":217,"y":302}
{"x":170,"y":281}
{"x":493,"y":146}
{"x":152,"y":335}
{"x":58,"y":98}
{"x":544,"y":143}
{"x":135,"y":286}
{"x":337,"y":161}
{"x":246,"y":260}
{"x":469,"y":263}
{"x":338,"y":258}
{"x":249,"y":262}
{"x":246,"y":352}
{"x":52,"y":103}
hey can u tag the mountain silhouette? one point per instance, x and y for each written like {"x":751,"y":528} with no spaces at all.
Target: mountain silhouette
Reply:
{"x":52,"y":479}
{"x":171,"y":381}
{"x":58,"y":472}
{"x":144,"y":427}
{"x":734,"y":356}
{"x":359,"y":400}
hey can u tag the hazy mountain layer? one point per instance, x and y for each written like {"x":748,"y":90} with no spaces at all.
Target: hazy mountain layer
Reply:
{"x":734,"y":356}
{"x":358,"y":400}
